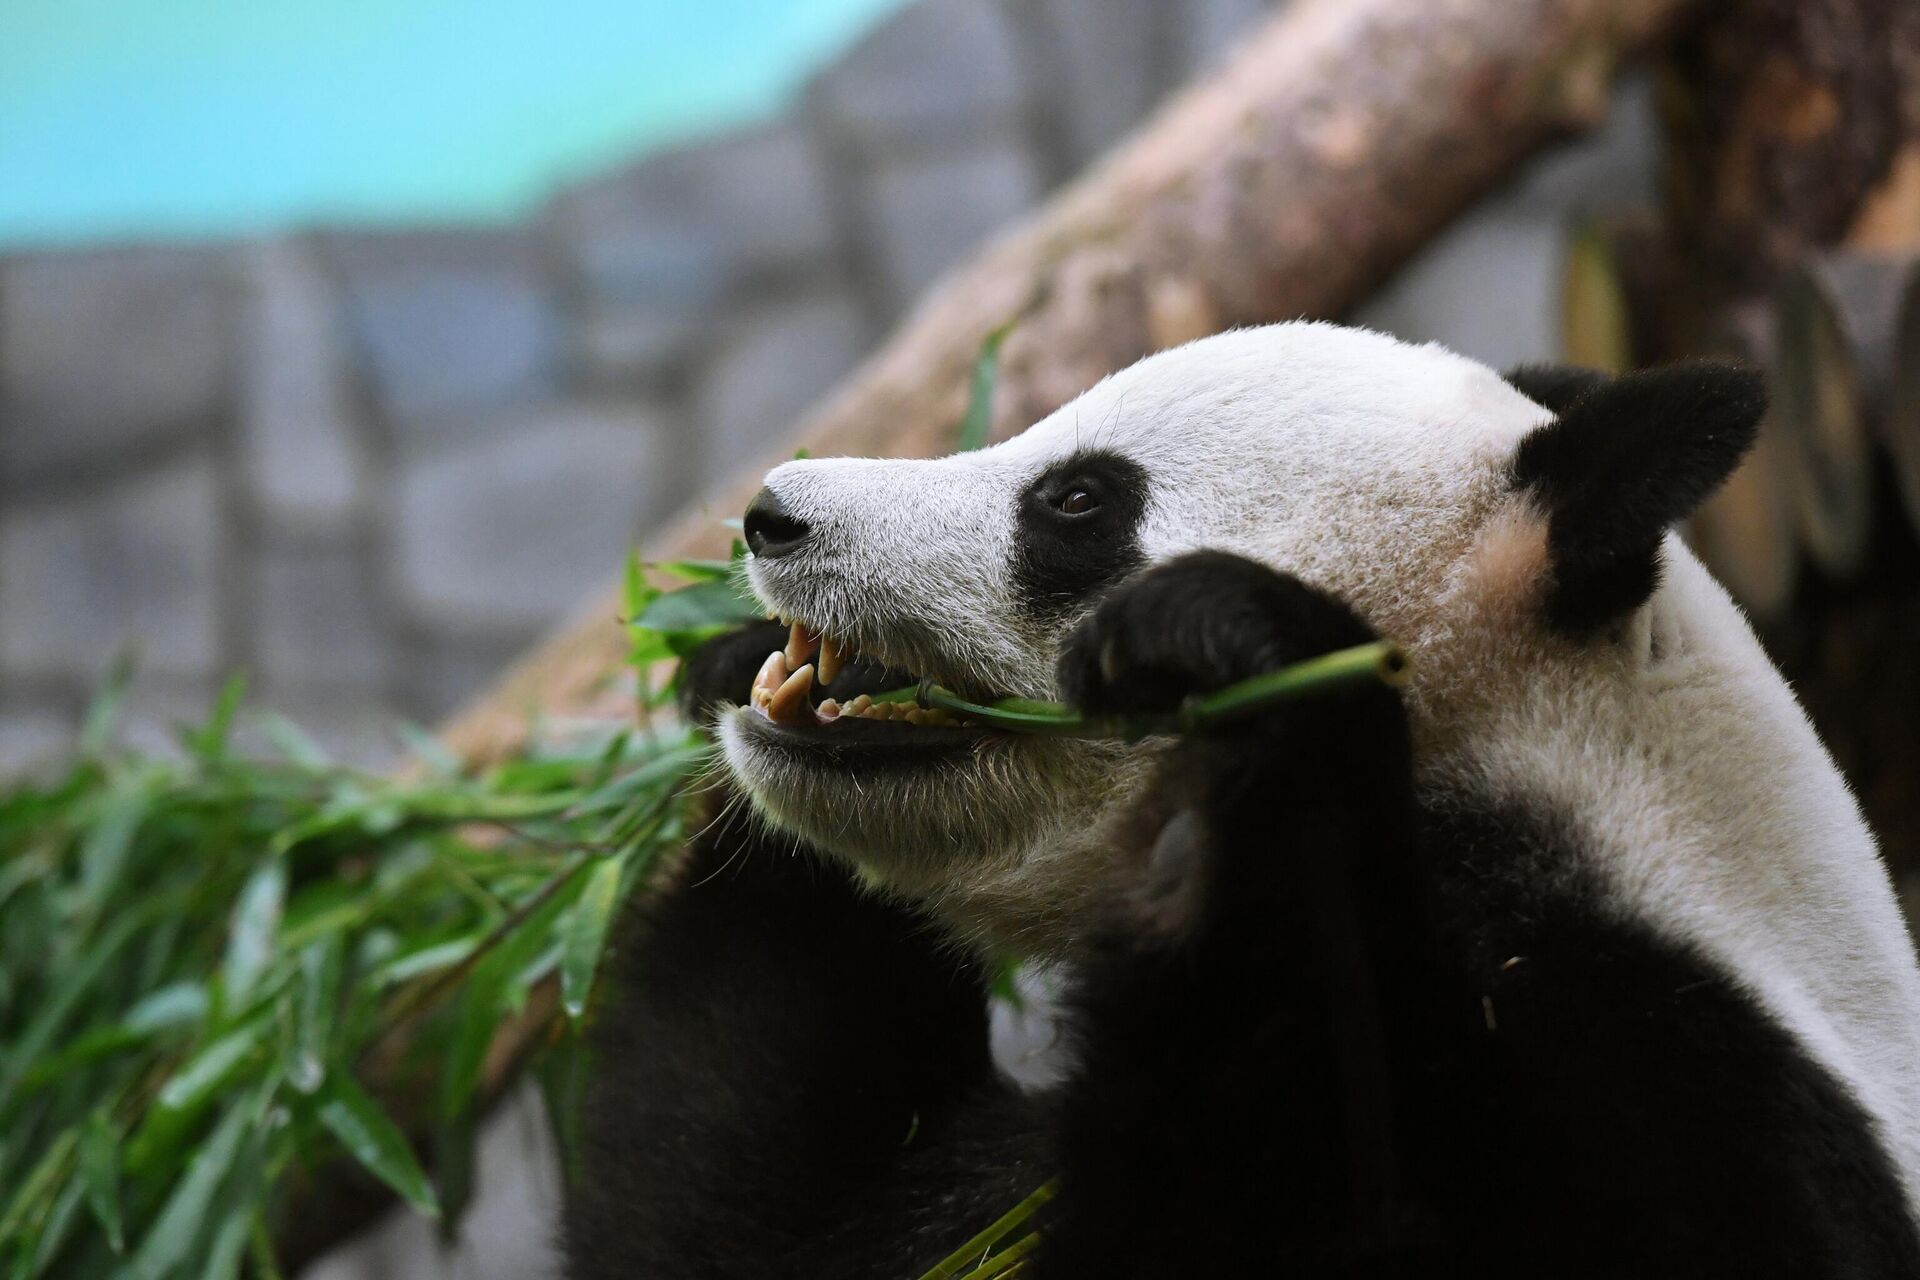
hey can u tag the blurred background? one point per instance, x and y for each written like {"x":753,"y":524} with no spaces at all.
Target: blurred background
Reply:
{"x":351,"y":344}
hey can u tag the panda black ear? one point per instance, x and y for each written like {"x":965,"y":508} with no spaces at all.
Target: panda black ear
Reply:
{"x":1553,"y":386}
{"x":1625,"y":459}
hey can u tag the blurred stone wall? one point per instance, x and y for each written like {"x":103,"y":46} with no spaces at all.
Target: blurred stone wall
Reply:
{"x":369,"y":467}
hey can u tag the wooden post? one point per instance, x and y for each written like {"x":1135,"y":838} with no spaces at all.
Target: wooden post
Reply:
{"x":1744,"y":533}
{"x":1901,"y":430}
{"x":1820,"y":405}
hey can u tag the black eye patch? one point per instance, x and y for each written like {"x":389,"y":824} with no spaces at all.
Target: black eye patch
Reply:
{"x":1077,"y":532}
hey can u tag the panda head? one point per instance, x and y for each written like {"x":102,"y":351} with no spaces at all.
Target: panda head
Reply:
{"x":1498,"y":535}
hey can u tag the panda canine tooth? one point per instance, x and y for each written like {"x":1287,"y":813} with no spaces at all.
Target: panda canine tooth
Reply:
{"x":830,"y":659}
{"x":800,"y":642}
{"x":773,"y":672}
{"x":790,"y":699}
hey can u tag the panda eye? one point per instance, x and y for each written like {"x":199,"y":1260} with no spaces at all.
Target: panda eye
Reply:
{"x":1076,"y":502}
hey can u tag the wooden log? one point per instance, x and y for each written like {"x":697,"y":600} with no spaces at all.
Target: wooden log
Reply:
{"x":1794,"y":128}
{"x":1820,"y":405}
{"x":1343,"y":135}
{"x":1744,"y":533}
{"x":1783,"y":118}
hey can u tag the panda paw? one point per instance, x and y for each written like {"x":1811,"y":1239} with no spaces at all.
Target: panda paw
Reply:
{"x":1194,"y":625}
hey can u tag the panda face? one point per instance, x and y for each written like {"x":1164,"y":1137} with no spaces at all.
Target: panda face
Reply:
{"x":1359,"y":463}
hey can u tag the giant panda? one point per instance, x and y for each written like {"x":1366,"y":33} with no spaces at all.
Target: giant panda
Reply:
{"x":1574,"y":958}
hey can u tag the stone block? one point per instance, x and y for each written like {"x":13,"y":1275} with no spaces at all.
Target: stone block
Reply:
{"x":357,"y":732}
{"x":1111,"y":60}
{"x":106,"y":351}
{"x":448,"y":323}
{"x":138,"y":560}
{"x":301,"y":447}
{"x":637,"y":344}
{"x":442,"y":669}
{"x":34,"y":739}
{"x":937,"y":71}
{"x":156,"y":710}
{"x":1488,"y":287}
{"x":927,"y":214}
{"x":772,"y":363}
{"x":681,"y":228}
{"x":513,"y":527}
{"x":317,"y":621}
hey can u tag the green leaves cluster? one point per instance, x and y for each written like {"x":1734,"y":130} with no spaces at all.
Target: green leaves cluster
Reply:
{"x":206,"y":956}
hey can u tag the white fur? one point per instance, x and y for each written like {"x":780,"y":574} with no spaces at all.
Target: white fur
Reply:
{"x":1377,"y":470}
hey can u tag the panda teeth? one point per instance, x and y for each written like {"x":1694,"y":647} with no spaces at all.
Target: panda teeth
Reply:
{"x":832,"y":654}
{"x":772,"y":675}
{"x":784,"y":680}
{"x":788,"y":703}
{"x":800,"y":643}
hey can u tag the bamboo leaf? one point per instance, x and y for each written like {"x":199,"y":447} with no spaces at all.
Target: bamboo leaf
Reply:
{"x":696,"y":570}
{"x":418,"y":963}
{"x":57,"y":1229}
{"x":375,"y":1141}
{"x":511,"y":952}
{"x":429,"y":750}
{"x":978,"y":423}
{"x":104,"y":713}
{"x":256,"y":919}
{"x":37,"y":1188}
{"x":178,"y":1004}
{"x":54,"y":1010}
{"x":585,"y":933}
{"x":319,"y":992}
{"x":229,"y":1242}
{"x":100,"y":1166}
{"x":171,"y":1239}
{"x":104,"y":849}
{"x":195,"y":1082}
{"x":704,"y":605}
{"x":209,"y":742}
{"x":293,"y":742}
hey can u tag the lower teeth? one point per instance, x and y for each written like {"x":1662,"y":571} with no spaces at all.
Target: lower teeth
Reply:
{"x":781,"y":696}
{"x":865,"y":708}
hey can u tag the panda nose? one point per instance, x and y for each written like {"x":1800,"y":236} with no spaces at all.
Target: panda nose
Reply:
{"x":771,"y":529}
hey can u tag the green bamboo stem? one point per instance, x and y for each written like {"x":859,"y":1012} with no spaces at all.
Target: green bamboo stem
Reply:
{"x":1381,"y":660}
{"x":969,"y":1255}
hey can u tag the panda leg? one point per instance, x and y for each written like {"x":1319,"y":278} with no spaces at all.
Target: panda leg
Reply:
{"x":1246,"y":1020}
{"x":792,"y":1076}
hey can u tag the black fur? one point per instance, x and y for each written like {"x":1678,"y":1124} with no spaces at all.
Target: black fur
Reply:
{"x":1553,"y":386}
{"x":1064,"y":560}
{"x":792,"y":1081}
{"x":1331,"y":1026}
{"x":1623,"y":461}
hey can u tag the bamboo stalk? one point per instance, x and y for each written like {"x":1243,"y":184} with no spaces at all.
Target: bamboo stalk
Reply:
{"x":1380,"y":661}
